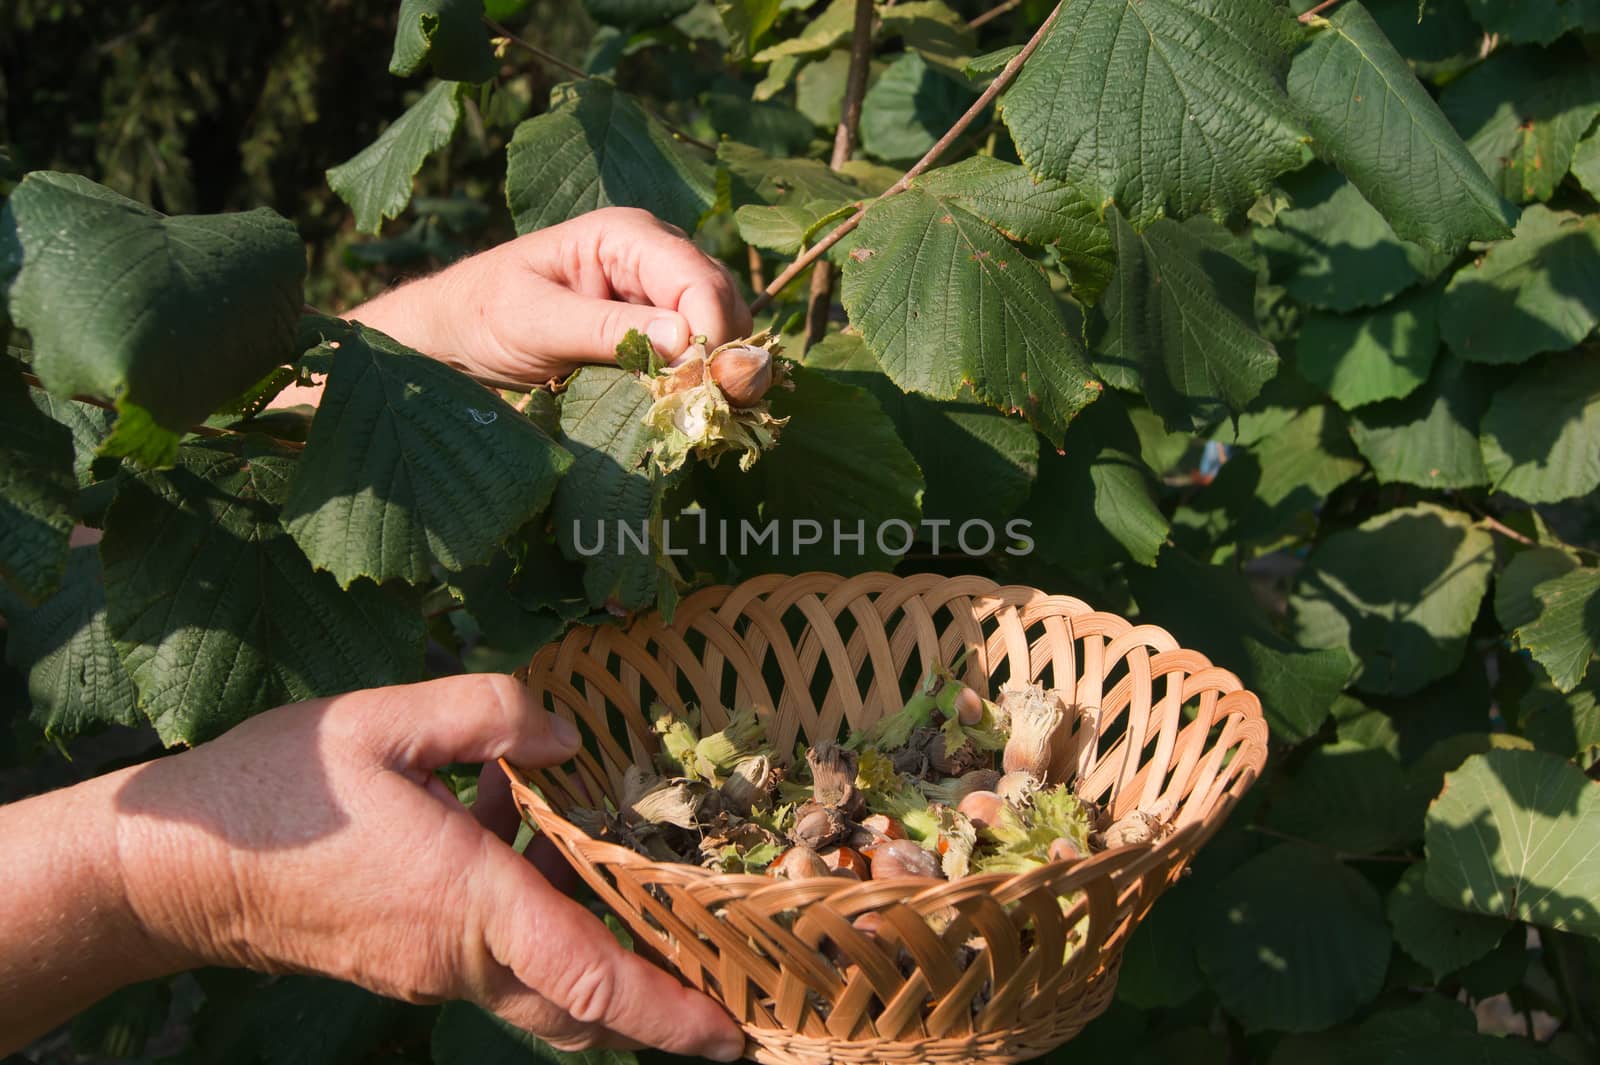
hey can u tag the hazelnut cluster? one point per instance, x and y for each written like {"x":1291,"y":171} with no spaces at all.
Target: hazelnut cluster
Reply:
{"x":951,"y":784}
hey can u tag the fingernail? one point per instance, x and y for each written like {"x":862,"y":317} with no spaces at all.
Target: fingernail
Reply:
{"x":565,"y":733}
{"x":667,"y":336}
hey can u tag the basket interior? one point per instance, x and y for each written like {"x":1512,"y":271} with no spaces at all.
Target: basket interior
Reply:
{"x":1154,"y":726}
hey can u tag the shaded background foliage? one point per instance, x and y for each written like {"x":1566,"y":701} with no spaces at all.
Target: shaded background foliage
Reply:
{"x":1399,"y":552}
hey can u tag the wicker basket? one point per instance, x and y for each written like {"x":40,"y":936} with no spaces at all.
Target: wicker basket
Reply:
{"x":1157,"y":728}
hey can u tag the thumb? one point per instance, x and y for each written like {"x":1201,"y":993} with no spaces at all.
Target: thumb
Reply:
{"x":474,"y":717}
{"x":584,"y":329}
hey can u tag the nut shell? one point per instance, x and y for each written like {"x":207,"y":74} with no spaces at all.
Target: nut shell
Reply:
{"x":798,"y":863}
{"x":902,"y":858}
{"x":744,"y":373}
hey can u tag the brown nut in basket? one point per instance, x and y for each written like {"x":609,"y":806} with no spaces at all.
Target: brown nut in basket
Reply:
{"x":995,"y":967}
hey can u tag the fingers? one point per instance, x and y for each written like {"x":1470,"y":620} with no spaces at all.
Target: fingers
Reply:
{"x":644,"y":260}
{"x":474,"y":717}
{"x":560,"y":951}
{"x":585,"y":329}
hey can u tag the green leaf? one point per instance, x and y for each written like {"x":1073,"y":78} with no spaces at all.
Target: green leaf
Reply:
{"x":1159,"y":967}
{"x":636,"y":354}
{"x":87,"y":424}
{"x":170,"y":317}
{"x":747,"y":21}
{"x":596,"y":147}
{"x":933,"y":30}
{"x":1179,"y":316}
{"x":1429,"y":438}
{"x":522,"y":598}
{"x":1540,"y":430}
{"x":1212,"y":609}
{"x":1333,"y":249}
{"x":409,"y":461}
{"x":1442,"y":939}
{"x":608,"y":495}
{"x":769,"y":125}
{"x":1198,"y":120}
{"x":839,"y":465}
{"x":1364,"y":358}
{"x":1586,"y":164}
{"x":1370,"y":115}
{"x":467,"y":1035}
{"x":1539,"y":291}
{"x":957,"y":443}
{"x":1523,"y":112}
{"x":784,"y":228}
{"x":1400,"y":592}
{"x":216,"y":612}
{"x":1515,"y":605}
{"x":376,"y":181}
{"x":1034,"y":211}
{"x":1566,"y":724}
{"x":908,"y":108}
{"x":1520,"y":21}
{"x":1296,"y":942}
{"x":449,"y":34}
{"x":756,"y":178}
{"x":1566,"y":634}
{"x":1092,"y":505}
{"x":819,"y":88}
{"x":1345,"y":796}
{"x":945,"y":302}
{"x":75,"y":679}
{"x":826,"y":30}
{"x":1514,"y":834}
{"x":38,"y":491}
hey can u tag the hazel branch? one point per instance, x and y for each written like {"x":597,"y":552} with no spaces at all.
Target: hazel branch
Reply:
{"x":1007,"y":74}
{"x":844,"y":142}
{"x":1311,"y":15}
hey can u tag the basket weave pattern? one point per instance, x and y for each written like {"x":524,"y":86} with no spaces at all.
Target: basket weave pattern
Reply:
{"x":1155,"y":727}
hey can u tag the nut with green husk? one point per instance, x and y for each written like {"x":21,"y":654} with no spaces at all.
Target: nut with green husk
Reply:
{"x":711,"y":405}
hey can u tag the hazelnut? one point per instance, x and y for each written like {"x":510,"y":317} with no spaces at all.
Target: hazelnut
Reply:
{"x":847,"y":862}
{"x":902,"y":858}
{"x":982,"y":808}
{"x":743,"y":373}
{"x":1065,"y":850}
{"x":798,"y":863}
{"x":969,"y":706}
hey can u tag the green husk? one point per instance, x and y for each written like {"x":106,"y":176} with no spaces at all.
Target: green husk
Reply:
{"x":718,"y":753}
{"x":903,"y":801}
{"x":1023,"y":837}
{"x":691,"y":415}
{"x":679,"y":737}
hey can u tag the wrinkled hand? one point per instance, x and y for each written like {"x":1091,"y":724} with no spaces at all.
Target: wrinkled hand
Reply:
{"x":538,"y":307}
{"x":315,"y":838}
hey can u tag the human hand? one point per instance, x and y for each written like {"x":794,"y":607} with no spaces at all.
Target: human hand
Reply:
{"x":538,"y":307}
{"x":316,"y":838}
